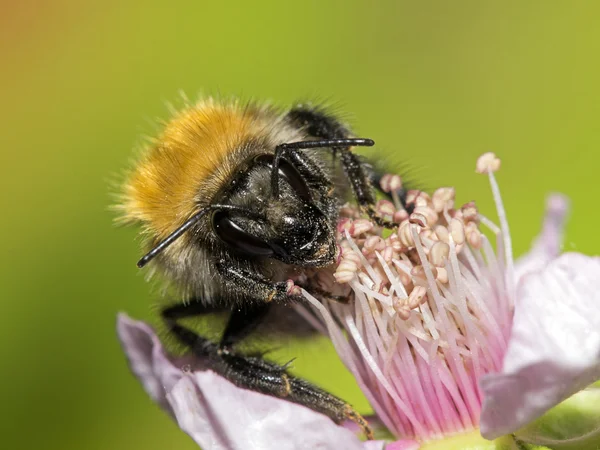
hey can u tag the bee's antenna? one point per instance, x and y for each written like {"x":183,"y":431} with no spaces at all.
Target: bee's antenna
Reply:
{"x":162,"y":245}
{"x":328,"y":143}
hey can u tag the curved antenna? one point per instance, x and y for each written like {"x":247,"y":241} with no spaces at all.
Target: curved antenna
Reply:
{"x":162,"y":245}
{"x":329,"y":143}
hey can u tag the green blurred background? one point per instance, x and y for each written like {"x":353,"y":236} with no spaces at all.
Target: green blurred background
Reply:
{"x":434,"y":83}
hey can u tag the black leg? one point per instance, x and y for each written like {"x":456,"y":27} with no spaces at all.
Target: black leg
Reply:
{"x":311,"y":172}
{"x":319,"y":124}
{"x":241,"y":323}
{"x":268,"y":378}
{"x":200,"y":346}
{"x":257,"y":289}
{"x":189,"y":308}
{"x":352,"y":165}
{"x":252,"y":372}
{"x":289,"y":148}
{"x":361,"y":185}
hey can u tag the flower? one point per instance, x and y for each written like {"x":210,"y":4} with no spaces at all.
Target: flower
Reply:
{"x":445,"y":336}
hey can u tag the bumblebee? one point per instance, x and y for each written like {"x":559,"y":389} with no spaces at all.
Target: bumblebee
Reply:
{"x":235,"y":199}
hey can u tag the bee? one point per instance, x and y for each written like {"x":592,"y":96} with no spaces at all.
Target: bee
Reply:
{"x":235,"y":199}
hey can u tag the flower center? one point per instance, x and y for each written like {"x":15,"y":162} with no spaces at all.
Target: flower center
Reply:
{"x":431,"y":311}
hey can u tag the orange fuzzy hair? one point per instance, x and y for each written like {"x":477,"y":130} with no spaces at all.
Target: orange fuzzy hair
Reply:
{"x":184,"y":167}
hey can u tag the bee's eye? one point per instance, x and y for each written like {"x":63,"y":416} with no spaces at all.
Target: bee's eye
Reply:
{"x":292,"y":176}
{"x":289,"y":174}
{"x":234,"y":236}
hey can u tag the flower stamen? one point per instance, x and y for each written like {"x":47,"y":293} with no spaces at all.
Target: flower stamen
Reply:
{"x":429,"y":313}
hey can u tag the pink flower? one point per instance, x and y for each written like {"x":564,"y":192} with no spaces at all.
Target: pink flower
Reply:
{"x":445,"y":336}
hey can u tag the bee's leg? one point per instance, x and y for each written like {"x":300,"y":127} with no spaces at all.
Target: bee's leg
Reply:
{"x":353,"y":167}
{"x":252,"y":285}
{"x":251,"y":372}
{"x":316,"y":179}
{"x":259,"y":375}
{"x":241,"y":323}
{"x":199,"y":345}
{"x":362,"y":187}
{"x":319,"y":124}
{"x":189,"y":308}
{"x":256,"y":373}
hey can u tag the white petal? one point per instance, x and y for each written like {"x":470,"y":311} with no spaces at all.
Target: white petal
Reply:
{"x":147,"y":360}
{"x":554,"y":349}
{"x":548,"y":243}
{"x":205,"y":402}
{"x":217,"y":414}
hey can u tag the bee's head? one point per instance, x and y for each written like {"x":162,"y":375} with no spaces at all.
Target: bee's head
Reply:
{"x":287,"y":225}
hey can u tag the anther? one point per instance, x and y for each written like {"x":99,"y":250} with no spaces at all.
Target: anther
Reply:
{"x":470,"y":212}
{"x":385,"y":208}
{"x":405,"y":234}
{"x":351,"y":255}
{"x":360,"y":226}
{"x":473,"y":235}
{"x":419,"y":198}
{"x":442,"y":275}
{"x":400,"y":216}
{"x":373,"y":243}
{"x":428,"y":212}
{"x":390,"y":183}
{"x":417,"y":297}
{"x":418,"y":219}
{"x":443,"y":199}
{"x":488,"y":162}
{"x":438,"y":255}
{"x":442,"y":233}
{"x":457,"y":231}
{"x":401,"y":308}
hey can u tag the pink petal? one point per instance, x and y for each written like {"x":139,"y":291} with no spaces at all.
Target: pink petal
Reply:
{"x":219,"y":415}
{"x":547,"y":245}
{"x":404,"y":444}
{"x":554,"y":349}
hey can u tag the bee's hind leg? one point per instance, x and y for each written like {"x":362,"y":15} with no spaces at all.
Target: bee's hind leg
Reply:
{"x":256,"y":373}
{"x":318,"y":123}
